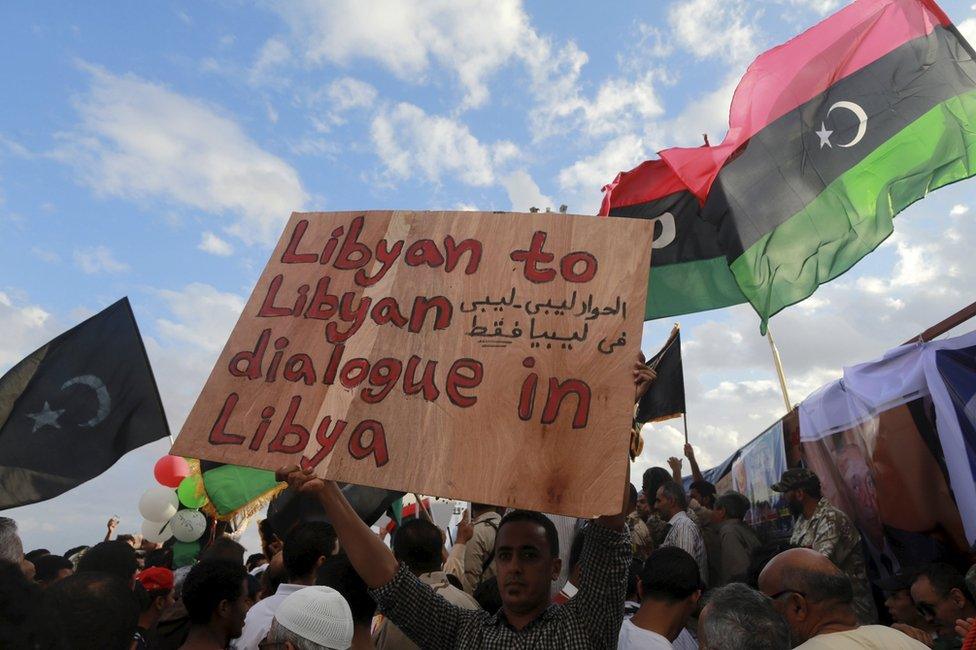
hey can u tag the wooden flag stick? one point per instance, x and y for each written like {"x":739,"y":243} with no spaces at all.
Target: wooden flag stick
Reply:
{"x":779,"y":369}
{"x":684,"y":418}
{"x":422,"y":509}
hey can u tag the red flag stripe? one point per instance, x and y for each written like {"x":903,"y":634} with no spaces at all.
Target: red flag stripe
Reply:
{"x":785,"y":77}
{"x":652,"y":179}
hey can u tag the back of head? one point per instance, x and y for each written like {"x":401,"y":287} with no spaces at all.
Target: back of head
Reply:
{"x":670,"y":574}
{"x":11,"y":548}
{"x":48,"y":567}
{"x":530,"y":516}
{"x":417,"y":543}
{"x":18,"y":598}
{"x":704,"y":488}
{"x":254,"y":560}
{"x":304,"y":545}
{"x":89,"y":609}
{"x":224,"y":548}
{"x":734,"y":504}
{"x":313,"y":617}
{"x":739,"y":618}
{"x":207,"y":584}
{"x":114,"y":557}
{"x":337,"y":573}
{"x":944,"y":578}
{"x":654,"y":478}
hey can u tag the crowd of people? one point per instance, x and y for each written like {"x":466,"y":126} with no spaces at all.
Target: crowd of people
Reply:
{"x":675,"y":568}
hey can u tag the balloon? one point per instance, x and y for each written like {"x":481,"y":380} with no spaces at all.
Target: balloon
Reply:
{"x":191,"y":492}
{"x":155,"y":532}
{"x":158,"y":504}
{"x":185,"y":553}
{"x":170,"y":470}
{"x":188,"y":525}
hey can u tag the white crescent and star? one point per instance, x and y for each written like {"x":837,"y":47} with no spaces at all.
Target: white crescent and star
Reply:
{"x":49,"y":417}
{"x":862,"y":125}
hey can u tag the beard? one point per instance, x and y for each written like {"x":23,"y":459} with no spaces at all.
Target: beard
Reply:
{"x":795,"y":507}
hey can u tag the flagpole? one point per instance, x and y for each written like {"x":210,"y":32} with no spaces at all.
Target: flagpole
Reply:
{"x":779,"y":368}
{"x":684,"y":417}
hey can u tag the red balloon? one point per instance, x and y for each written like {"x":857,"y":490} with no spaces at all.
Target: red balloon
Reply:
{"x":170,"y":470}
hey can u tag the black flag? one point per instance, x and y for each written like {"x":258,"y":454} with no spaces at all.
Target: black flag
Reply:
{"x":665,"y":399}
{"x":75,"y":406}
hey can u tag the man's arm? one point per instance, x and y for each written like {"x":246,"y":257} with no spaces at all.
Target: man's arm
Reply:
{"x":454,"y":564}
{"x":675,"y":464}
{"x":695,"y":471}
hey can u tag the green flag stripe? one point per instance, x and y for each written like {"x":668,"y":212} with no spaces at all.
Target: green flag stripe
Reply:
{"x":688,"y":287}
{"x":854,"y":214}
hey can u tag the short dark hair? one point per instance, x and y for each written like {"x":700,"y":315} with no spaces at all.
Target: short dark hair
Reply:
{"x":253,"y":559}
{"x":704,"y":488}
{"x":417,"y":543}
{"x":47,"y":567}
{"x":552,"y":536}
{"x":654,"y":478}
{"x":944,"y":578}
{"x":224,"y":548}
{"x":30,"y":556}
{"x":304,"y":545}
{"x":113,"y":557}
{"x":676,"y":492}
{"x":734,"y":504}
{"x":631,"y":497}
{"x":207,"y":584}
{"x":741,"y":618}
{"x":162,"y":557}
{"x":820,"y":587}
{"x":90,"y":609}
{"x":338,"y":573}
{"x":670,"y":574}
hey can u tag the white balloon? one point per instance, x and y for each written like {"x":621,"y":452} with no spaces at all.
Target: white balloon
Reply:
{"x":159,"y":504}
{"x":188,"y":525}
{"x":156,"y":532}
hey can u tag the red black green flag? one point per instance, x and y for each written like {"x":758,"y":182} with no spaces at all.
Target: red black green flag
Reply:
{"x":830,"y":136}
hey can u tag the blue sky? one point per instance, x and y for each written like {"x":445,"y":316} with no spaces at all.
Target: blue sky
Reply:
{"x":155,"y":151}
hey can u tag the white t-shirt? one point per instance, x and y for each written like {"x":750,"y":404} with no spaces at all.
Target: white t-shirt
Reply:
{"x":259,"y":617}
{"x":872,"y":637}
{"x":637,"y":638}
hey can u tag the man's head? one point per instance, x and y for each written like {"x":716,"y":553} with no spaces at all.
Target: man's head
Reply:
{"x":939,"y":592}
{"x":306,"y":547}
{"x":898,"y":598}
{"x":670,"y":577}
{"x":90,"y":609}
{"x":254,"y":560}
{"x":731,"y":505}
{"x":114,"y":557}
{"x":643,"y":507}
{"x":654,"y":477}
{"x":417,"y":543}
{"x":215,"y":595}
{"x":806,"y":588}
{"x":224,"y":548}
{"x":338,"y":573}
{"x":736,"y":617}
{"x":158,"y":585}
{"x":526,"y":560}
{"x":703,"y":492}
{"x":800,"y":486}
{"x":670,"y":500}
{"x":11,"y":548}
{"x":313,"y":618}
{"x":51,"y":568}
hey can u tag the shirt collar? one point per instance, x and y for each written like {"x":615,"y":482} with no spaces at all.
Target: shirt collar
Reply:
{"x":681,"y":514}
{"x":286,"y":589}
{"x":499,"y":619}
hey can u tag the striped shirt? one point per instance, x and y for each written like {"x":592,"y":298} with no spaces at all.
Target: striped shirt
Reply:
{"x":684,"y":534}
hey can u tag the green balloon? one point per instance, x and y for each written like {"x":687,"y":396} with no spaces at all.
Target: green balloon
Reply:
{"x":185,"y":553}
{"x":191,"y":492}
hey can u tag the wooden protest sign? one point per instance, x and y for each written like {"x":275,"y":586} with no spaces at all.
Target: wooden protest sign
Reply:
{"x":480,"y":356}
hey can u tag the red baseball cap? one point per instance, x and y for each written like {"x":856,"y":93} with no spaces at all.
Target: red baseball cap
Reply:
{"x":156,"y":578}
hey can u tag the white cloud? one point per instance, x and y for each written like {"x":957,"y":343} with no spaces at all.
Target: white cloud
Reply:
{"x":203,"y":316}
{"x":524,"y":193}
{"x":272,"y":54}
{"x":472,"y":39}
{"x":584,"y":178}
{"x":25,"y":327}
{"x":211,"y":243}
{"x":409,"y":142}
{"x":968,"y":29}
{"x":348,"y":93}
{"x":45,"y":255}
{"x":714,"y":28}
{"x":959,"y":209}
{"x":142,"y":140}
{"x":98,"y":259}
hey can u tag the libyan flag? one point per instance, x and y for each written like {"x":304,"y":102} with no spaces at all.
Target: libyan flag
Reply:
{"x":75,"y":406}
{"x":830,"y":136}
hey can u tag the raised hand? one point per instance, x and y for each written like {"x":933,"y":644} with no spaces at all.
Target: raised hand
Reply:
{"x":465,"y":530}
{"x":689,"y":452}
{"x":643,"y":378}
{"x":675,"y":464}
{"x":302,"y":480}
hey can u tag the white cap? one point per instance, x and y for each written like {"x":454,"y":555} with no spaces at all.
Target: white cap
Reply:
{"x":319,"y":614}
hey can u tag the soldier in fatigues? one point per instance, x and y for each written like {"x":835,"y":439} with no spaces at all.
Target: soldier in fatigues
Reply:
{"x":825,"y":529}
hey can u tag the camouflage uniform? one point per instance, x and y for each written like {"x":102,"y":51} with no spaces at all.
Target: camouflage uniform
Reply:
{"x":831,"y":532}
{"x":640,"y":536}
